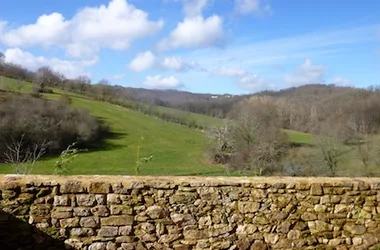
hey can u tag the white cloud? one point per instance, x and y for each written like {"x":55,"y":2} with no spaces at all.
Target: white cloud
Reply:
{"x":228,"y":71}
{"x":48,"y":30}
{"x":305,"y":74}
{"x":174,"y":63}
{"x":256,"y":7}
{"x":114,"y":26}
{"x":178,"y":64}
{"x":70,"y":69}
{"x":191,"y":7}
{"x":160,"y":82}
{"x":117,"y":77}
{"x":194,"y":7}
{"x":254,"y":83}
{"x":341,"y":81}
{"x":244,"y":79}
{"x":142,"y":61}
{"x":195,"y":32}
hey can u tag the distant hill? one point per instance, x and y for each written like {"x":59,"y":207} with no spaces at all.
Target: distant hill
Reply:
{"x":309,"y":108}
{"x":220,"y":105}
{"x":209,"y":104}
{"x":309,"y":90}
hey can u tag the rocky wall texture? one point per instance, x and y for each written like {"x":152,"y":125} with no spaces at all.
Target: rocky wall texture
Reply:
{"x":120,"y":212}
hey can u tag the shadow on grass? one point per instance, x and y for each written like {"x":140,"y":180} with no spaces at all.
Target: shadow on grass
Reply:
{"x":300,"y":145}
{"x":105,"y":142}
{"x":15,"y":233}
{"x":104,"y":139}
{"x":204,"y":174}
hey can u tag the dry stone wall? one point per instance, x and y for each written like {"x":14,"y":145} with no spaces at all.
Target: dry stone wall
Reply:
{"x":120,"y":212}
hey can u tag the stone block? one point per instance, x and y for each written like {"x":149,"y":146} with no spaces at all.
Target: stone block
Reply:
{"x":86,"y":200}
{"x":308,"y":216}
{"x":68,"y":223}
{"x":62,"y":213}
{"x":101,"y":199}
{"x":121,"y":209}
{"x":63,"y":200}
{"x":246,"y":229}
{"x":125,"y":239}
{"x":97,"y":246}
{"x":316,"y":189}
{"x":82,"y":211}
{"x":105,"y":231}
{"x":101,"y":211}
{"x":99,"y":188}
{"x":122,"y":220}
{"x":127,"y":246}
{"x":89,"y":222}
{"x":72,"y":187}
{"x":248,"y":206}
{"x":156,"y":212}
{"x":81,"y":232}
{"x":354,"y":229}
{"x":125,"y":230}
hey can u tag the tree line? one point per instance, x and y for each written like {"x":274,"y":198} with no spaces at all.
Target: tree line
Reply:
{"x":343,"y":121}
{"x":45,"y":79}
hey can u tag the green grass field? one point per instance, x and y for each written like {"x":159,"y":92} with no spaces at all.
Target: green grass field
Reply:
{"x":203,"y":120}
{"x":299,"y":137}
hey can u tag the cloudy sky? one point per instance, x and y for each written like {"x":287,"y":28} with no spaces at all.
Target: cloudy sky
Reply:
{"x":213,"y":46}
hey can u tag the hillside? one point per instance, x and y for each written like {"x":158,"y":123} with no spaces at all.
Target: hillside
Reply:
{"x":176,"y":149}
{"x":209,"y":104}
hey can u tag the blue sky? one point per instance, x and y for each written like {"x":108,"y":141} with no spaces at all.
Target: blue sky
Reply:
{"x":207,"y":46}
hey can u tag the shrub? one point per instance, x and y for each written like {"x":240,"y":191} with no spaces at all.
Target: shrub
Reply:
{"x":36,"y":119}
{"x":253,"y":142}
{"x":46,"y":90}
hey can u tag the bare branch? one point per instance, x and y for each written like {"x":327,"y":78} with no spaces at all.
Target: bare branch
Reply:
{"x":23,"y":157}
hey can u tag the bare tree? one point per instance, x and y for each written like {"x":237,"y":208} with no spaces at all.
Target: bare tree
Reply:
{"x":254,"y":142}
{"x":221,"y":149}
{"x":2,"y":58}
{"x":331,"y":152}
{"x":2,"y":62}
{"x":20,"y":84}
{"x":22,"y":156}
{"x":365,"y":151}
{"x":84,"y":83}
{"x":46,"y":77}
{"x":43,"y":77}
{"x":106,"y":90}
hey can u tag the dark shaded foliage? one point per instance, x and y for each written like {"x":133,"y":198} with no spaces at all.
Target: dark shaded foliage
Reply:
{"x":39,"y":120}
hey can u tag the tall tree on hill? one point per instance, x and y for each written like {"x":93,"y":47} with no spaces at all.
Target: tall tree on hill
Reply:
{"x":84,"y":83}
{"x":43,"y":77}
{"x":107,"y":92}
{"x":254,"y":141}
{"x":46,"y":77}
{"x":2,"y":61}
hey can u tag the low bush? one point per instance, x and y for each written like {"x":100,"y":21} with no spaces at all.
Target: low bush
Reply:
{"x":38,"y":120}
